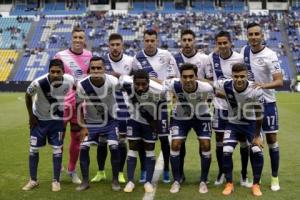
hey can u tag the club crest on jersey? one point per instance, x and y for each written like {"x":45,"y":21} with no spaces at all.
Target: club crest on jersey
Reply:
{"x":126,"y":67}
{"x":162,"y":60}
{"x":65,"y":91}
{"x":260,"y":61}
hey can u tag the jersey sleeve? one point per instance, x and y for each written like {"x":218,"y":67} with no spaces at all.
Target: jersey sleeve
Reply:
{"x":80,"y":94}
{"x":32,"y":88}
{"x":172,"y":66}
{"x":242,"y":51}
{"x":71,"y":81}
{"x":219,"y":84}
{"x":273,"y":64}
{"x":136,"y":64}
{"x":57,"y":56}
{"x":258,"y":95}
{"x":208,"y":69}
{"x":206,"y":87}
{"x":125,"y":80}
{"x":130,"y":63}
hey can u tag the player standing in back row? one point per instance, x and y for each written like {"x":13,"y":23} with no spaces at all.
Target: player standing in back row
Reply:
{"x":160,"y":65}
{"x":222,"y":61}
{"x":264,"y":69}
{"x":76,"y":62}
{"x":190,"y":54}
{"x":117,"y":63}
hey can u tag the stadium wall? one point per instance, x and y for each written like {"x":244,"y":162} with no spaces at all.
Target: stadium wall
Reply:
{"x":14,"y":86}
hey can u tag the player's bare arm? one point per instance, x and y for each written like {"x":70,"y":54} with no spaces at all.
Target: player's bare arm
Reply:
{"x":276,"y":83}
{"x":257,"y":140}
{"x":32,"y":119}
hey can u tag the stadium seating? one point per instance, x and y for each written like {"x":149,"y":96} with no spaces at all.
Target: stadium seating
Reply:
{"x":13,"y":33}
{"x":33,"y":66}
{"x":21,"y":10}
{"x":7,"y":60}
{"x":58,"y":8}
{"x":140,"y":7}
{"x":52,"y":34}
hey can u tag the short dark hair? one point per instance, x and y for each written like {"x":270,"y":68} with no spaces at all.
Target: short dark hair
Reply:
{"x":150,"y":32}
{"x":56,"y":62}
{"x":239,"y":67}
{"x":115,"y":36}
{"x":97,"y":58}
{"x":188,"y":66}
{"x":77,"y":29}
{"x":140,"y":74}
{"x":252,"y":24}
{"x":223,"y":34}
{"x":187,"y":31}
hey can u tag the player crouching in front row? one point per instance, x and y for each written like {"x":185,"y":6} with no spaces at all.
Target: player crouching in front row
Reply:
{"x":245,"y":119}
{"x":98,"y":93}
{"x":46,"y":118}
{"x":191,"y":111}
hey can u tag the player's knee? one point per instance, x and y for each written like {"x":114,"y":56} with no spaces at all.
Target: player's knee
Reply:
{"x":228,"y":149}
{"x":75,"y":127}
{"x":122,"y":140}
{"x":271,"y":138}
{"x":134,"y":145}
{"x":219,"y":136}
{"x":205,"y":148}
{"x":205,"y":145}
{"x":176,"y":144}
{"x":149,"y":146}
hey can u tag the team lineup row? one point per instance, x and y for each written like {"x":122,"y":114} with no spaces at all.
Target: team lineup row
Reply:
{"x":240,"y":82}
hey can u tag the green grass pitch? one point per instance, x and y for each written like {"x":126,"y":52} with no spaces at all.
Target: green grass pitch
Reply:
{"x":14,"y":147}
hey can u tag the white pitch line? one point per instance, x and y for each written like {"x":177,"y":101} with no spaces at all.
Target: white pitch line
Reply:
{"x":159,"y":166}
